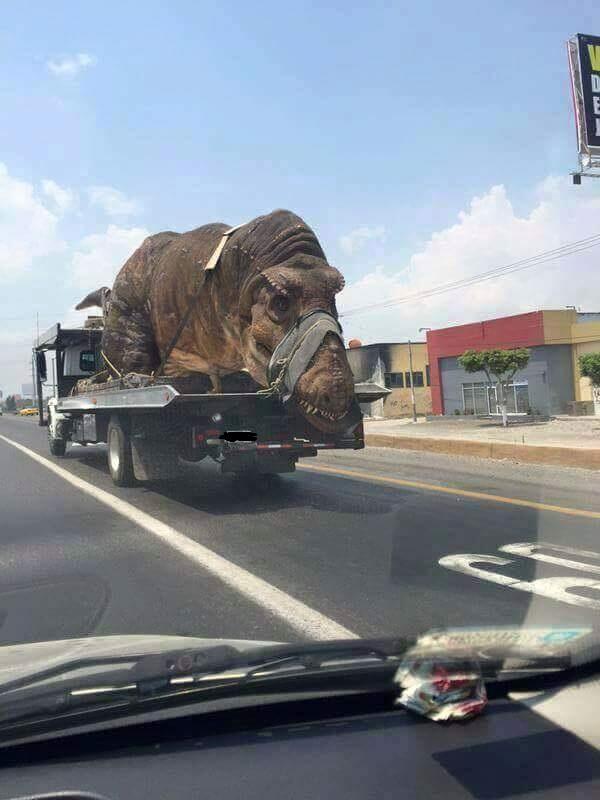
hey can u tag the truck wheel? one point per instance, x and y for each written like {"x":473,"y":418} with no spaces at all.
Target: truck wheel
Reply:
{"x":58,"y":447}
{"x":119,"y":454}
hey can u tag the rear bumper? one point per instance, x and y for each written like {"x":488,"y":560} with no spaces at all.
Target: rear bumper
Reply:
{"x":352,"y":439}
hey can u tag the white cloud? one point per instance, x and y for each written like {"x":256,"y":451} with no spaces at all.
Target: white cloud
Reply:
{"x":487,"y":235}
{"x":70,"y":66}
{"x":100,"y":256}
{"x":354,"y":241}
{"x":63,"y":199}
{"x":113,"y":202}
{"x":28,"y":229}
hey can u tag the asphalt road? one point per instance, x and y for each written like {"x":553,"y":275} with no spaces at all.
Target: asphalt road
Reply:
{"x":363,"y":550}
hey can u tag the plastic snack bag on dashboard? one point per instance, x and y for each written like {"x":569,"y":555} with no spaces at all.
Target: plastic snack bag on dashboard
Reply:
{"x":441,"y":690}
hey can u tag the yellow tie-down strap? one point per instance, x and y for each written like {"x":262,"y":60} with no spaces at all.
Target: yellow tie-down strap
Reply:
{"x":213,"y":261}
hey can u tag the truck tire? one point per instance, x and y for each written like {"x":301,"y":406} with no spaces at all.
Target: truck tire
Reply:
{"x":58,"y":447}
{"x":56,"y":444}
{"x":120,"y":463}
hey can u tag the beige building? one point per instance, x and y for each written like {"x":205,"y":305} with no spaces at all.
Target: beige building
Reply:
{"x":388,"y":365}
{"x":582,"y":332}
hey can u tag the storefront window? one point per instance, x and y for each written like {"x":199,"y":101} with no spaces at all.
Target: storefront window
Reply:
{"x":468,"y":402}
{"x":481,"y":398}
{"x":522,"y":398}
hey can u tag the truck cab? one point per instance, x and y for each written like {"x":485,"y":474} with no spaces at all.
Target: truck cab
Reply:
{"x":77,"y":355}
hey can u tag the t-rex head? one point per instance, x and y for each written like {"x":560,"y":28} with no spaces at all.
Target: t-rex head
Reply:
{"x":293,"y":279}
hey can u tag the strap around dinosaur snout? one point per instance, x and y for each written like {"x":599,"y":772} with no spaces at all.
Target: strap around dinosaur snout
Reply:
{"x":293,"y":354}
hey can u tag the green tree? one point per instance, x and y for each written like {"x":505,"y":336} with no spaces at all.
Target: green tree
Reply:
{"x":500,"y":367}
{"x":10,"y":403}
{"x":589,"y":366}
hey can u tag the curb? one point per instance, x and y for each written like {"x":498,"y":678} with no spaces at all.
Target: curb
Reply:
{"x":528,"y":453}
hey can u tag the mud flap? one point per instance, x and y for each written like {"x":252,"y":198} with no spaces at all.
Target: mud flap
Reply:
{"x":154,"y":460}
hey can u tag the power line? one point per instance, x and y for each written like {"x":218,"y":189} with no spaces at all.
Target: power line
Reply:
{"x":545,"y":257}
{"x":516,"y":266}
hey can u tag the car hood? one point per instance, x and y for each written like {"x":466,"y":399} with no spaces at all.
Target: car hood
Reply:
{"x":20,"y":660}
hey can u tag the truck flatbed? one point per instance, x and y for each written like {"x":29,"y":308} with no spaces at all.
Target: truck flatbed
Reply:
{"x":150,"y":398}
{"x":151,"y":423}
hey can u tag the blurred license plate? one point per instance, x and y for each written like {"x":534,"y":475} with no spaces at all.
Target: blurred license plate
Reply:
{"x":240,"y":440}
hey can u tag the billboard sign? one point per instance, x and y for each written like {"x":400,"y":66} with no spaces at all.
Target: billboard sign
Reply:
{"x":584,"y":65}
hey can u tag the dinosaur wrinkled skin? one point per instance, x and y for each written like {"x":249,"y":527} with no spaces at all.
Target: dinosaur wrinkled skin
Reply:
{"x":271,"y":272}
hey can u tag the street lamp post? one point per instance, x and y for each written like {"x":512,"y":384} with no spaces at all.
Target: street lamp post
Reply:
{"x":33,"y":381}
{"x":427,"y":364}
{"x":412,"y":382}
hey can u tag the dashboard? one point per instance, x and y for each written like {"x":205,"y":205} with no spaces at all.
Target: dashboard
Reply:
{"x":510,"y":751}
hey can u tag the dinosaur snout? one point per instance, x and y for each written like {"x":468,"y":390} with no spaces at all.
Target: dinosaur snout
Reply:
{"x":325,"y":391}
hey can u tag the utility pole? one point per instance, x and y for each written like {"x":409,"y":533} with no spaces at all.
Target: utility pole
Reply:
{"x":412,"y":383}
{"x":33,"y":364}
{"x":33,"y":383}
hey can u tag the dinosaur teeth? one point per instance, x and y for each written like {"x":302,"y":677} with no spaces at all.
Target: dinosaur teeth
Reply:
{"x":309,"y":408}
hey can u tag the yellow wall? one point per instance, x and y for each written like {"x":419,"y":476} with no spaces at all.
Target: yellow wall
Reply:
{"x":557,"y":326}
{"x":586,"y":339}
{"x":399,"y":402}
{"x":399,"y":361}
{"x":561,"y":327}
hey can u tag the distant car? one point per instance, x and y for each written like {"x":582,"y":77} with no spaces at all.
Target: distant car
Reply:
{"x":28,"y":412}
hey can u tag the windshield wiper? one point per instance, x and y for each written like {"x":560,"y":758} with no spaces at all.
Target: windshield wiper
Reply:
{"x":221,"y":668}
{"x":134,"y":667}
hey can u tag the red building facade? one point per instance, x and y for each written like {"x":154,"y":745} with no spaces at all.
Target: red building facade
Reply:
{"x":519,"y":330}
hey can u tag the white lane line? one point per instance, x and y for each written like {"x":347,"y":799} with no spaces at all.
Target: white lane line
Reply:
{"x":305,"y":620}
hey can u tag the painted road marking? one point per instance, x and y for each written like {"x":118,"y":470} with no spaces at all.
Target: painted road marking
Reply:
{"x":532,"y":550}
{"x":559,"y":588}
{"x":305,"y":620}
{"x":432,"y":487}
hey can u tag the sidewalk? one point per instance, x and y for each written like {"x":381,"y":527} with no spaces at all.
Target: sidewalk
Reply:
{"x":563,"y":441}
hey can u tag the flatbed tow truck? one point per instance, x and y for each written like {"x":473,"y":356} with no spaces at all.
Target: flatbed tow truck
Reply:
{"x":153,"y":424}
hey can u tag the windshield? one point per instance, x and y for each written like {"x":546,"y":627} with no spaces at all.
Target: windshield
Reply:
{"x":300,"y":330}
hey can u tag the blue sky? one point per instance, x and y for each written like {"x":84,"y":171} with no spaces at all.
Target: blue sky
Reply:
{"x":386,"y":118}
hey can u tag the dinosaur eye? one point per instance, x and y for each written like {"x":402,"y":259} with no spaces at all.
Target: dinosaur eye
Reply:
{"x":280,"y":305}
